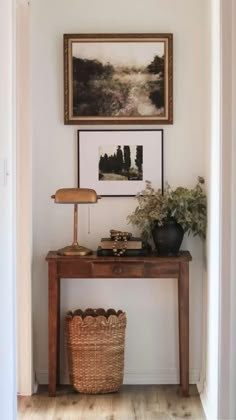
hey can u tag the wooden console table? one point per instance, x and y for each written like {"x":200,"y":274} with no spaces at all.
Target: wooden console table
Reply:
{"x":117,"y":267}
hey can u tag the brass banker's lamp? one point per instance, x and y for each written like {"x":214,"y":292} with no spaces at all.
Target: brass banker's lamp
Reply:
{"x":75,"y":196}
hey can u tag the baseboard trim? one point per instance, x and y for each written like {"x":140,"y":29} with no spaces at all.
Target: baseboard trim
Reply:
{"x":210,"y":412}
{"x":157,"y":377}
{"x":35,"y":387}
{"x":201,"y":382}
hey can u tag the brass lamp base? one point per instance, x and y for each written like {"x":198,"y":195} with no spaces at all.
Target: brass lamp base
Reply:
{"x":73,"y":250}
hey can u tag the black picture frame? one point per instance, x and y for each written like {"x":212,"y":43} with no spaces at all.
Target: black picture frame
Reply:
{"x":98,"y":146}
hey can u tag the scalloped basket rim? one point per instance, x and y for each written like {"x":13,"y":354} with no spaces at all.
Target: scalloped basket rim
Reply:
{"x":96,"y":319}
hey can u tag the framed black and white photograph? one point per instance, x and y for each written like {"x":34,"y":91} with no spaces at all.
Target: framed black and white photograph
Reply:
{"x":118,"y":162}
{"x":118,"y":78}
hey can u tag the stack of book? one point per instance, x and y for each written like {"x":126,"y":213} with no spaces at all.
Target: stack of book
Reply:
{"x":132,"y":247}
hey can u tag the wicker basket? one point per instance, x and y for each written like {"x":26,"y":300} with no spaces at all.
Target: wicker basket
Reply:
{"x":95,"y":345}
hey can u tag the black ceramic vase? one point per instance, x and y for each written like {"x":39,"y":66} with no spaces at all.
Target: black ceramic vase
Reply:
{"x":168,"y":237}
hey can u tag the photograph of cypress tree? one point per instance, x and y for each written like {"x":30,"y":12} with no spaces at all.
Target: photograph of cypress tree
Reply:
{"x":118,"y":163}
{"x":118,"y":78}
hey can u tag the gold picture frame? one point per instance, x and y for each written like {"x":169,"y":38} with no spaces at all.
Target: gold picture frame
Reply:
{"x":118,"y":79}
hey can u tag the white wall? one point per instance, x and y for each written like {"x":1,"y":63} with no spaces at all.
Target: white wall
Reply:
{"x":7,"y":214}
{"x":227,"y":379}
{"x":151,"y":305}
{"x":212,"y":274}
{"x":24,"y":203}
{"x":218,"y":395}
{"x":226,"y":204}
{"x":233,"y":210}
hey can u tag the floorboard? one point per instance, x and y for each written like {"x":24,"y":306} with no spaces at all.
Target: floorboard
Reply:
{"x":139,"y":402}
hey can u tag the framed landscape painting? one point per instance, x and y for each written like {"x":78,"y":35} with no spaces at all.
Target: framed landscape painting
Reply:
{"x":117,"y":163}
{"x":118,"y":79}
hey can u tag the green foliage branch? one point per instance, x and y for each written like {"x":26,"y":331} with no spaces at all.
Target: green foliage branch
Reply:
{"x":187,"y":205}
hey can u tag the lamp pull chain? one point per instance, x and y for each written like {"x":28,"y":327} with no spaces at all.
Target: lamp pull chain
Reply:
{"x":88,"y":219}
{"x":75,"y":242}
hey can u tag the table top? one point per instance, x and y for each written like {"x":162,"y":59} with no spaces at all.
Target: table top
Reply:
{"x":184,"y":256}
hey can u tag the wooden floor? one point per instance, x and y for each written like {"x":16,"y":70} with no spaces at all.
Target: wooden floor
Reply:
{"x":139,"y":402}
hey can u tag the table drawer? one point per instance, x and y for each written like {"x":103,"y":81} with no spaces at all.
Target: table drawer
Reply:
{"x":113,"y":269}
{"x":161,"y":270}
{"x":74,"y":269}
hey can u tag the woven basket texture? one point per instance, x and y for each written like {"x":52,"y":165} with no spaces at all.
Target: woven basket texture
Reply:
{"x":95,"y":346}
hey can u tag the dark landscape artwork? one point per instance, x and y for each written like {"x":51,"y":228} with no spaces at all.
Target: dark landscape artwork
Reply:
{"x":120,"y":80}
{"x":120,"y":163}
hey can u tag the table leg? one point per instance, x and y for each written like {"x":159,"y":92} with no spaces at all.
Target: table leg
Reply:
{"x":53,"y":300}
{"x":183,"y":293}
{"x":180,"y":348}
{"x":58,"y":329}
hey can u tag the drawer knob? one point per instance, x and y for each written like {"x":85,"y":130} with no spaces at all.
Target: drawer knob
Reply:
{"x":117,"y":270}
